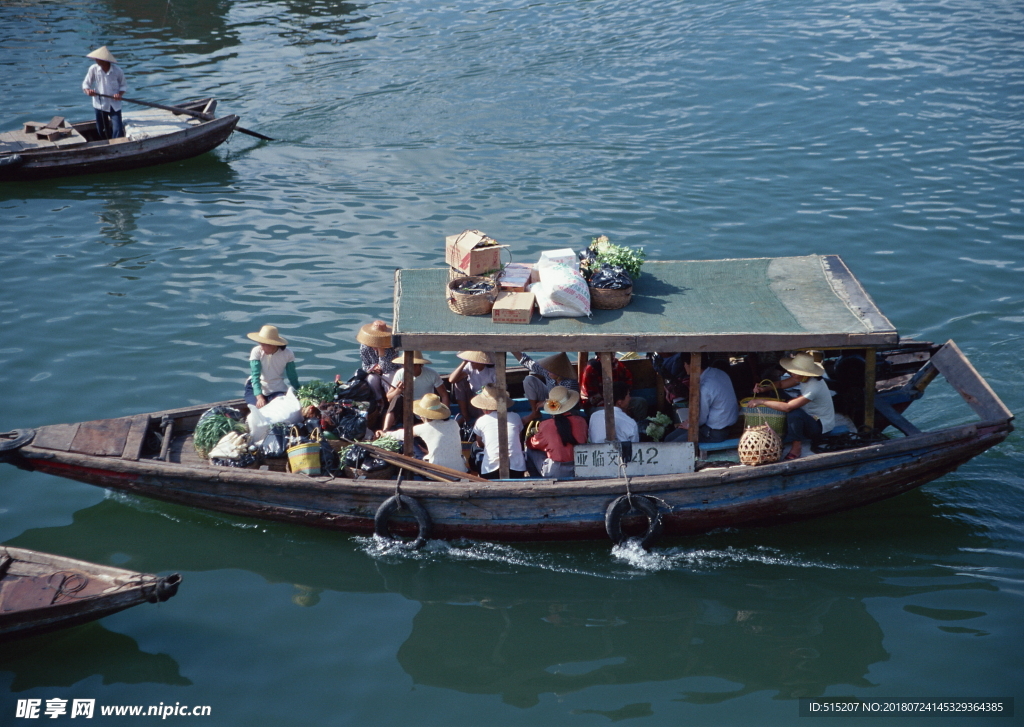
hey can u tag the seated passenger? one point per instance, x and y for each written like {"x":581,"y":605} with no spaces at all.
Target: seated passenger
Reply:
{"x":810,"y":415}
{"x":439,"y":432}
{"x":626,"y":429}
{"x":592,"y":387}
{"x":719,"y":410}
{"x":472,"y":375}
{"x":549,"y":372}
{"x":270,"y":363}
{"x":556,"y":437}
{"x":377,"y":357}
{"x":425,"y":381}
{"x":486,"y":431}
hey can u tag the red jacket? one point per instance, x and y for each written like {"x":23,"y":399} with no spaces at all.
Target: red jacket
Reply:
{"x":591,"y":388}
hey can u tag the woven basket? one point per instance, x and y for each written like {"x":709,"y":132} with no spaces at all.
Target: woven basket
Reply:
{"x":608,"y":299}
{"x":755,"y":416}
{"x":471,"y":305}
{"x":760,"y":445}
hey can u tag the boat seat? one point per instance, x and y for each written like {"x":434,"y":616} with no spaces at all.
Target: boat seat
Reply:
{"x":735,"y":443}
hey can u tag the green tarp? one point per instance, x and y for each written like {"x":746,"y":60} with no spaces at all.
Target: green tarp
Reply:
{"x":719,"y":305}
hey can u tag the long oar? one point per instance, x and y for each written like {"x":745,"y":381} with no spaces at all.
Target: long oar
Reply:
{"x":179,"y":110}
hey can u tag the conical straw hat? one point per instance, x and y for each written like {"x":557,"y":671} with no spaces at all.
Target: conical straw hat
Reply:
{"x":480,"y":357}
{"x":102,"y":54}
{"x":558,"y":366}
{"x":488,"y":398}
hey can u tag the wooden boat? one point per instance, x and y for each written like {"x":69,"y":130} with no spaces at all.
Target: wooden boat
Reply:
{"x":41,"y":592}
{"x":779,"y":304}
{"x":154,"y":136}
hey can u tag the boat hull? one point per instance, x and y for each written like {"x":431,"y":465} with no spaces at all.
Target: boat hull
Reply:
{"x":101,"y":156}
{"x":40,"y":592}
{"x":529,"y":510}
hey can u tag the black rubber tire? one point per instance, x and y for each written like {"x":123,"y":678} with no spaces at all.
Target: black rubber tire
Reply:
{"x":395,"y":504}
{"x":21,"y":438}
{"x":621,"y":507}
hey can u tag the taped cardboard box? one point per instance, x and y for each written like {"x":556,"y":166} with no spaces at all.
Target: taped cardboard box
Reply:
{"x":513,"y":308}
{"x":472,"y":252}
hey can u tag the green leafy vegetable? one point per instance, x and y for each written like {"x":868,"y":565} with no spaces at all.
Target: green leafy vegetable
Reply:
{"x":314,"y":392}
{"x":658,"y":424}
{"x":209,"y":431}
{"x":629,"y":259}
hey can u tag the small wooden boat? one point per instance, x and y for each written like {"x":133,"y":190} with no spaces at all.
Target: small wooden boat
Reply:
{"x":780,"y":304}
{"x":41,"y":592}
{"x":154,"y":136}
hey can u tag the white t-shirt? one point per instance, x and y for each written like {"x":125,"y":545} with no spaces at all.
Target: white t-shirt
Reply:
{"x":487,"y":429}
{"x":272,"y":375}
{"x":819,"y":403}
{"x":626,"y":429}
{"x":110,"y":83}
{"x":479,"y":379}
{"x":444,"y":443}
{"x":426,"y":383}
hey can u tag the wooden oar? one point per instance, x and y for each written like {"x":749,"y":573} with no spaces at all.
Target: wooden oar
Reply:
{"x":179,"y":110}
{"x":427,"y":469}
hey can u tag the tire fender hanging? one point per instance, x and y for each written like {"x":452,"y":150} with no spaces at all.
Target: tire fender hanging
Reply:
{"x":21,"y":438}
{"x":621,"y":507}
{"x":397,"y":503}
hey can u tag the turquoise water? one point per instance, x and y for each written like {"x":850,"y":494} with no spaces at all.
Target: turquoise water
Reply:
{"x":888,"y":133}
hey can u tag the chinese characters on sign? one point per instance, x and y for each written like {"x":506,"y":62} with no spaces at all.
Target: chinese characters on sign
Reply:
{"x":649,"y":458}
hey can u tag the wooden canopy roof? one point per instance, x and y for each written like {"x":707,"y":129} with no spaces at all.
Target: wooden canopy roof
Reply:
{"x":757,"y":304}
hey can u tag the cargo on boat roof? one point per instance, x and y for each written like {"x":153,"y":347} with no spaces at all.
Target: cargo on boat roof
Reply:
{"x":758,"y":304}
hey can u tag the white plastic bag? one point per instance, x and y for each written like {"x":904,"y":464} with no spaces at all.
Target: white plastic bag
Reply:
{"x":561,"y":291}
{"x":231,"y":446}
{"x":282,"y":409}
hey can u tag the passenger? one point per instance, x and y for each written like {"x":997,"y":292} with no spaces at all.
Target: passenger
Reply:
{"x":377,"y":356}
{"x":472,"y":375}
{"x":425,"y":381}
{"x":669,"y":366}
{"x":556,"y":437}
{"x":719,"y":410}
{"x":486,"y":432}
{"x":592,"y":388}
{"x":270,"y":363}
{"x":439,"y":432}
{"x":549,"y":372}
{"x":810,"y":415}
{"x":626,"y":429}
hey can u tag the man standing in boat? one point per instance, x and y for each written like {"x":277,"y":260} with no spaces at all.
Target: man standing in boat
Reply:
{"x":107,"y":79}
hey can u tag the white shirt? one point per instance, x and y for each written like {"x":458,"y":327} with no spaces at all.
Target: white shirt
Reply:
{"x":479,"y":379}
{"x":109,"y":84}
{"x":819,"y":403}
{"x":444,"y":442}
{"x":718,"y":406}
{"x":626,"y":429}
{"x":487,"y":429}
{"x":426,"y":383}
{"x":272,"y":374}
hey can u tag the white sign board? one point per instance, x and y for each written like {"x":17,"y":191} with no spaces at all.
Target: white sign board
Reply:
{"x":594,"y":461}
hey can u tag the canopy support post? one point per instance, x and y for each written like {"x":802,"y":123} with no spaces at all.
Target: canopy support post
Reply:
{"x":610,"y":435}
{"x":870,"y":376}
{"x":581,"y":363}
{"x":407,"y":389}
{"x":499,"y":380}
{"x":694,"y":422}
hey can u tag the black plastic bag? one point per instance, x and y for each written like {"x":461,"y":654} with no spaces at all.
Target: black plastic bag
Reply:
{"x":328,"y":457}
{"x":274,"y":444}
{"x":610,"y":277}
{"x":351,"y":426}
{"x":355,"y":389}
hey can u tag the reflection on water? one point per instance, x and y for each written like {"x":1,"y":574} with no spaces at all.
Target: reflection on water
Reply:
{"x":66,"y":657}
{"x":521,"y":624}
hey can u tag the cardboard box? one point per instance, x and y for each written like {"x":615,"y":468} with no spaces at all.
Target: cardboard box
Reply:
{"x":566,"y":256}
{"x":513,"y":308}
{"x":515,"y":277}
{"x":472,"y":252}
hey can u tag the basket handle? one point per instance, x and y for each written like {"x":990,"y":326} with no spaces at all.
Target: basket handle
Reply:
{"x":774,"y":388}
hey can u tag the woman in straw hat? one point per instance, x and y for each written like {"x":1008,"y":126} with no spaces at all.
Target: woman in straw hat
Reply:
{"x":439,"y":432}
{"x":549,"y":372}
{"x":376,"y":356}
{"x":557,"y":437}
{"x":469,"y":377}
{"x":425,"y":381}
{"x":486,"y":432}
{"x":811,"y":414}
{"x":103,"y":77}
{"x":270,"y":363}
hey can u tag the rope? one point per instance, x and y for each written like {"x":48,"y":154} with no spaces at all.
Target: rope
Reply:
{"x":70,"y":584}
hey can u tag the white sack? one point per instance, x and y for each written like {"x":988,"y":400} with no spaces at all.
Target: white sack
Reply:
{"x":282,"y":409}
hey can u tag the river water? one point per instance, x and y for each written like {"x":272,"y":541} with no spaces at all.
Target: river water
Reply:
{"x":886,"y":132}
